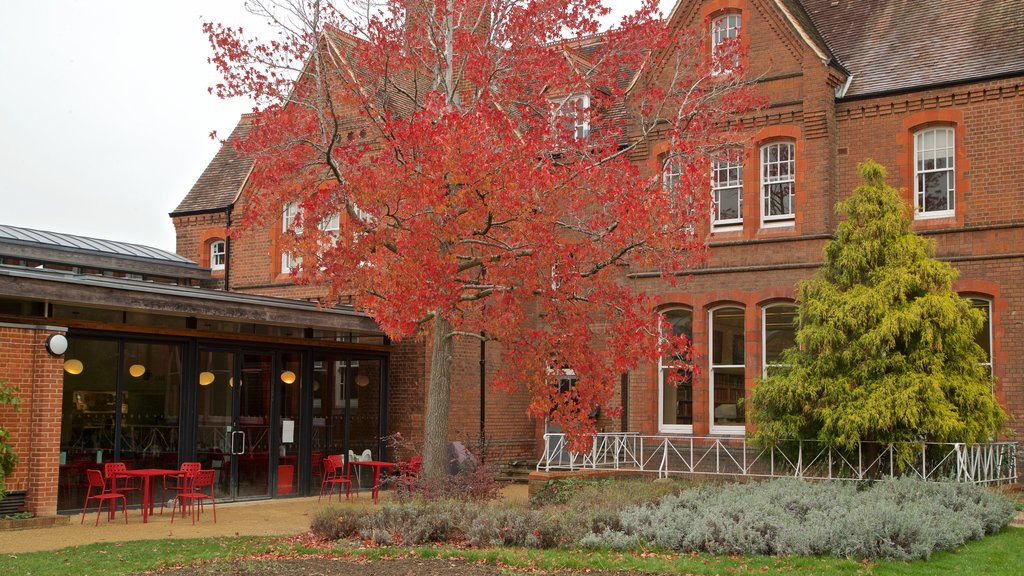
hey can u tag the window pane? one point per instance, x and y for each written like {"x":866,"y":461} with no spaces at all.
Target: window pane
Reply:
{"x":779,"y":332}
{"x":291,"y":384}
{"x":936,"y":191}
{"x":727,"y":333}
{"x":87,"y":416}
{"x":728,"y":396}
{"x":727,"y":366}
{"x":681,"y":321}
{"x":984,"y":337}
{"x":150,"y":403}
{"x":677,"y":399}
{"x":728,"y":204}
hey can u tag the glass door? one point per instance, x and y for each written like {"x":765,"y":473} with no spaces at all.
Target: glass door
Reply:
{"x":251,"y":441}
{"x":234,"y":413}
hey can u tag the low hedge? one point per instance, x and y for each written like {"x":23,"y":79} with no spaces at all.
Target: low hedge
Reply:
{"x":900,"y":519}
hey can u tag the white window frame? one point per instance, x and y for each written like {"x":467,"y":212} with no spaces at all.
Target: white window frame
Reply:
{"x":921,"y":155}
{"x":724,"y":429}
{"x":671,"y":175}
{"x":289,"y":211}
{"x":218,"y":257}
{"x":725,"y":27}
{"x":580,"y":124}
{"x":768,"y":180}
{"x":719,"y":185}
{"x":662,"y":426}
{"x":764,"y":334}
{"x":991,"y":340}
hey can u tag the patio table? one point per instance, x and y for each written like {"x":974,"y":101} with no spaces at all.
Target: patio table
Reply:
{"x":377,"y":466}
{"x":147,"y":475}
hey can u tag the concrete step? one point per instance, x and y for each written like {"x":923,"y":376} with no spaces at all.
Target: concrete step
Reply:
{"x":517,"y":472}
{"x":1018,"y":521}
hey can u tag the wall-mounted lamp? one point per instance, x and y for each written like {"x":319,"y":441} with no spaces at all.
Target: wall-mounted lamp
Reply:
{"x":362,"y":380}
{"x":56,"y":344}
{"x":73,"y":366}
{"x":288,"y":377}
{"x":136,"y":370}
{"x":206,"y":378}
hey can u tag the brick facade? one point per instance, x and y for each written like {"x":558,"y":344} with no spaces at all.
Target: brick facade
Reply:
{"x":35,"y":428}
{"x":756,"y":264}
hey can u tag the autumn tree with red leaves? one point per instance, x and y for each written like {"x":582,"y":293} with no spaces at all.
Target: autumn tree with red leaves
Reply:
{"x":482,"y":156}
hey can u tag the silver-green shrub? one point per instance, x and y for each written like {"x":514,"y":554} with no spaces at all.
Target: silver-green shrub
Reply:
{"x":903,"y":519}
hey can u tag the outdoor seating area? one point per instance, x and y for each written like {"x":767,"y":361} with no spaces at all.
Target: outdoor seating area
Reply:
{"x":337,"y":472}
{"x":190,"y":485}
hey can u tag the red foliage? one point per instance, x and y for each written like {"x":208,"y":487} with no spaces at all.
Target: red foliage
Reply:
{"x":443,"y":136}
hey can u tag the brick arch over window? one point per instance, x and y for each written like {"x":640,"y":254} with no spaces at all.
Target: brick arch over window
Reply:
{"x":906,"y":158}
{"x":718,"y":8}
{"x":752,"y":209}
{"x":999,"y":314}
{"x":206,"y":239}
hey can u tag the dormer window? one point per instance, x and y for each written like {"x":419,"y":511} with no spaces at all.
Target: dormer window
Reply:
{"x":572,"y":113}
{"x":218,"y":255}
{"x":725,"y":29}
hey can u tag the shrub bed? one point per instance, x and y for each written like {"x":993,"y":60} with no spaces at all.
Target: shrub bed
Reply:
{"x":900,"y":519}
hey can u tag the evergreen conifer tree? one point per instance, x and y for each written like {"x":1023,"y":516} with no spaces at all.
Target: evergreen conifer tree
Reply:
{"x":885,"y":349}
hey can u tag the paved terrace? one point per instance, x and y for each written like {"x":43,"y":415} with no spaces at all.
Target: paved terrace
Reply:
{"x":282,"y":517}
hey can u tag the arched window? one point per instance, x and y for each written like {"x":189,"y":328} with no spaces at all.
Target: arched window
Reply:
{"x":778,"y":332}
{"x":778,"y":181}
{"x":728,"y":369}
{"x":984,"y":337}
{"x":218,"y":255}
{"x":934,"y":172}
{"x":676,"y":399}
{"x":725,"y":29}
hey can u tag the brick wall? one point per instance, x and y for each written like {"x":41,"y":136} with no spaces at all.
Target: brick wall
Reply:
{"x":35,"y":428}
{"x":755,"y":264}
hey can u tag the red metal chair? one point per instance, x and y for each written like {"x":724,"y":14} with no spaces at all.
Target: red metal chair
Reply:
{"x":334,"y":476}
{"x":113,"y":471}
{"x":182,"y":480}
{"x":97,"y":482}
{"x":195,"y":495}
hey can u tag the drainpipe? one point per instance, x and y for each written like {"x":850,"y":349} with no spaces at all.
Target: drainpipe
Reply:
{"x":483,"y":396}
{"x":227,"y":248}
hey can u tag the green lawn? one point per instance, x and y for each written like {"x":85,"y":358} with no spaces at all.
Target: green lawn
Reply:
{"x":1002,"y":554}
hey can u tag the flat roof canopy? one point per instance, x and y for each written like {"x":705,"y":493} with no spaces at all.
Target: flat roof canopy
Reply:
{"x":59,"y":287}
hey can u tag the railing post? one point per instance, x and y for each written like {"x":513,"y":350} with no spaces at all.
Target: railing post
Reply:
{"x":799,"y":473}
{"x":745,"y":471}
{"x":924,"y":461}
{"x":860,"y":460}
{"x":663,"y":471}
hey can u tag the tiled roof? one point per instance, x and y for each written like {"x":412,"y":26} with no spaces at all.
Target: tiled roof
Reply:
{"x":893,"y":45}
{"x":219,"y":184}
{"x":61,"y":241}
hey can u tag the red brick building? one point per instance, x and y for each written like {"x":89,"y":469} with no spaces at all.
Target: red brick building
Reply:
{"x":943,"y":111}
{"x":933,"y":91}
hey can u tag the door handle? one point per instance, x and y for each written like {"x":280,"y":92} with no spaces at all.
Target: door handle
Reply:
{"x":237,"y":442}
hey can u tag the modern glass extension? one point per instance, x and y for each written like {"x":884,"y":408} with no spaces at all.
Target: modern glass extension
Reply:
{"x":262,"y":415}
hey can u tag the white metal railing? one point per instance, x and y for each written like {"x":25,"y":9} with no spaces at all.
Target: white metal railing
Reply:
{"x":667,"y":455}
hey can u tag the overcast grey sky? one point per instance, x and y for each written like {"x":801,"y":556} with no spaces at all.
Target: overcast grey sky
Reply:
{"x":105,"y":115}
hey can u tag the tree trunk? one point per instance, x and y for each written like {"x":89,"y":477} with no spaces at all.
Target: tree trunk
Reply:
{"x":435,"y":433}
